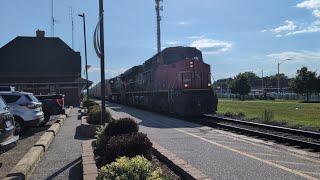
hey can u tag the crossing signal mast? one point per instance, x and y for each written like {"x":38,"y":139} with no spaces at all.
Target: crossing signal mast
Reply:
{"x":159,"y":8}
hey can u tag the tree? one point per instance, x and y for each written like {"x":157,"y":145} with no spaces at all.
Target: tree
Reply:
{"x":240,"y":85}
{"x":305,"y":82}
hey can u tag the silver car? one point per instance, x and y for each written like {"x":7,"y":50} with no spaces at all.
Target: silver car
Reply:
{"x":25,"y":108}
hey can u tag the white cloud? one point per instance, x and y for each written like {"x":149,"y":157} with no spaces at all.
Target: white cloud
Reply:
{"x":290,"y":28}
{"x":313,"y":5}
{"x":184,"y":23}
{"x":172,"y":43}
{"x":309,"y":4}
{"x":297,"y":56}
{"x":110,"y":72}
{"x":211,"y":46}
{"x":196,"y":37}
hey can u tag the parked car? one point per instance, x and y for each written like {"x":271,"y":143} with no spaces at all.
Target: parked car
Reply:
{"x":25,"y":108}
{"x":7,"y":128}
{"x":52,"y":104}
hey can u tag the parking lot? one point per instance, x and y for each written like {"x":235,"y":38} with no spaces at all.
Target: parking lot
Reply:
{"x":10,"y":157}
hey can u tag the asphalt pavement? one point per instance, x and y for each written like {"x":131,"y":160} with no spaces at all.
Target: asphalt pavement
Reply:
{"x":63,"y":158}
{"x":220,"y":154}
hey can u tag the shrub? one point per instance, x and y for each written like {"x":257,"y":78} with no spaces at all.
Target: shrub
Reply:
{"x":228,"y":114}
{"x":101,"y":139}
{"x":93,"y":108}
{"x":87,"y":103}
{"x":128,"y":145}
{"x":136,"y":168}
{"x":241,"y":115}
{"x":94,"y":117}
{"x":121,"y":126}
{"x":267,"y":116}
{"x":115,"y":127}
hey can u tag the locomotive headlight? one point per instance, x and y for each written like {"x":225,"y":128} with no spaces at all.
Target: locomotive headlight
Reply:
{"x":185,"y":85}
{"x":209,"y":84}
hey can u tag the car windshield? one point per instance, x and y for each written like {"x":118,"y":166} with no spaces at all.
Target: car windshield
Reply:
{"x":32,"y":98}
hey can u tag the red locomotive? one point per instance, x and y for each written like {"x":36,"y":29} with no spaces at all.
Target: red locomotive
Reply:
{"x":174,"y":81}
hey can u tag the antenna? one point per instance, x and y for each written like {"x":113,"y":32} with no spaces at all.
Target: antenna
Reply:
{"x":159,"y":8}
{"x":72,"y":26}
{"x":52,"y":20}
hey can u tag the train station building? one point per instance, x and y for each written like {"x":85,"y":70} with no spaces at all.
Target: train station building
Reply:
{"x":42,"y":65}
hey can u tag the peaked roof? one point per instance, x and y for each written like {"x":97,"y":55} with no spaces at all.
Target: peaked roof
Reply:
{"x":39,"y":55}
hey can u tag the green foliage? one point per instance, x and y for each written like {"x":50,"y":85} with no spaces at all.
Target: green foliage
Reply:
{"x":267,"y":116}
{"x":121,"y":126}
{"x":101,"y":139}
{"x":93,"y":108}
{"x":94,"y":116}
{"x":136,"y":168}
{"x":241,"y":85}
{"x":115,"y":127}
{"x":128,"y":145}
{"x":87,"y":103}
{"x":305,"y":82}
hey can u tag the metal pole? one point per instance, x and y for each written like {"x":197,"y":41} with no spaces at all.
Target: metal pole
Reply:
{"x":262,"y":80}
{"x":278,"y":78}
{"x":158,"y":26}
{"x":103,"y":82}
{"x":85,"y":51}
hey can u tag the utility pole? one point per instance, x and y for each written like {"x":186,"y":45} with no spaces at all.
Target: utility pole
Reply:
{"x":85,"y":50}
{"x":72,"y":27}
{"x":262,"y":80}
{"x":103,"y":81}
{"x":158,"y":9}
{"x":52,"y":20}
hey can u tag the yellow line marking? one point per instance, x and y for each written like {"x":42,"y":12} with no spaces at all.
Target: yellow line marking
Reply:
{"x":308,"y":172}
{"x":265,"y":154}
{"x":297,"y":163}
{"x":251,"y":156}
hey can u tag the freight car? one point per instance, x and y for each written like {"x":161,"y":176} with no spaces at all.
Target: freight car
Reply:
{"x":175,"y":80}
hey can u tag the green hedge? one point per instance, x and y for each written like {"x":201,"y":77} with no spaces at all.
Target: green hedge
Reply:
{"x":128,"y":145}
{"x":94,"y":116}
{"x":136,"y":168}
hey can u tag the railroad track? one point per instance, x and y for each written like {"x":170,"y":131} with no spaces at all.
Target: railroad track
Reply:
{"x":305,"y":139}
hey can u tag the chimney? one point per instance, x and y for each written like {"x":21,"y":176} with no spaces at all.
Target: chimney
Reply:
{"x":40,"y":33}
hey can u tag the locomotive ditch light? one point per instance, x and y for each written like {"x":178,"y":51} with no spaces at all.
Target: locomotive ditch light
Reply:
{"x":209,"y":84}
{"x":185,"y":85}
{"x":191,"y":66}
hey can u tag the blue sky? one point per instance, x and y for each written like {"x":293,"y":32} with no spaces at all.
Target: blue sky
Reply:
{"x":235,"y":36}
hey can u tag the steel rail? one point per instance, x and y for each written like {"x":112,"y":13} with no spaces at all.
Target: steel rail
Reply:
{"x":270,"y":136}
{"x":270,"y":127}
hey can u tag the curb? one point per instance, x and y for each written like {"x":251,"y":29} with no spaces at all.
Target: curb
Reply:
{"x":90,"y":170}
{"x":24,"y":168}
{"x":178,"y":165}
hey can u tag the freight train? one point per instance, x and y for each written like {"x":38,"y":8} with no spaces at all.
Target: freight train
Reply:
{"x":175,"y":81}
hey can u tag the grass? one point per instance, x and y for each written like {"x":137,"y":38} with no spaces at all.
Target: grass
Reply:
{"x":289,"y":113}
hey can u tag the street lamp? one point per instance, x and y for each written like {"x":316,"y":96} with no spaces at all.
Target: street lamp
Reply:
{"x":279,"y":72}
{"x":85,"y":50}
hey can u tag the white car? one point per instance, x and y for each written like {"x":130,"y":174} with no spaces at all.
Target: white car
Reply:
{"x":25,"y":108}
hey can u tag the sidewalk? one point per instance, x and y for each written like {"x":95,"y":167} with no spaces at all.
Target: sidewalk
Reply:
{"x":63,"y":158}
